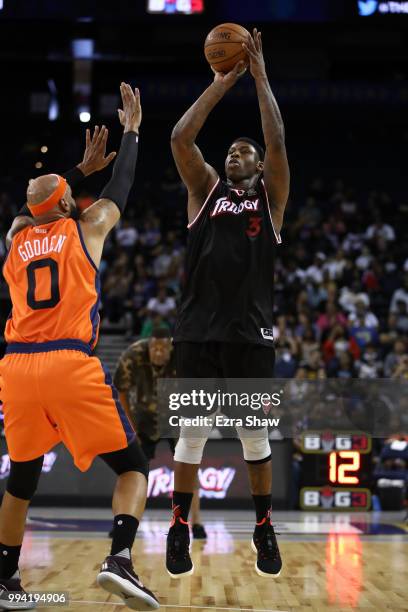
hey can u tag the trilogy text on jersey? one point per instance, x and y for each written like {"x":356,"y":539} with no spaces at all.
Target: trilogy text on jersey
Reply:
{"x":225,"y":206}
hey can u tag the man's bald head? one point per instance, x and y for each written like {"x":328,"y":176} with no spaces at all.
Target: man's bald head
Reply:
{"x":48,"y":186}
{"x":41,"y":188}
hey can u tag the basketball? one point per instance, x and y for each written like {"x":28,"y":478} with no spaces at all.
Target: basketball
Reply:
{"x":223,"y":46}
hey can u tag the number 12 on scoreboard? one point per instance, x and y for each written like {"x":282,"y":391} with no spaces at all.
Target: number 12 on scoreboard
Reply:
{"x":339,"y":472}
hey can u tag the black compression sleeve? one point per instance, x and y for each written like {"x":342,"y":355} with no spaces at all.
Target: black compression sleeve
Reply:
{"x":123,"y":173}
{"x":73,"y":177}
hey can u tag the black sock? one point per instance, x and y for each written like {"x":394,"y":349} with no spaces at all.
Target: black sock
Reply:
{"x":183,"y":502}
{"x":124,"y":532}
{"x":9,"y":556}
{"x":263,"y":503}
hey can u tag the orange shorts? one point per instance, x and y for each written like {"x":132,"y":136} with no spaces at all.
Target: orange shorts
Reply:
{"x":60,"y":396}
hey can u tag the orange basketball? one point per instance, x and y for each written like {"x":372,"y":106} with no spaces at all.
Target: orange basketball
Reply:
{"x":223,"y":46}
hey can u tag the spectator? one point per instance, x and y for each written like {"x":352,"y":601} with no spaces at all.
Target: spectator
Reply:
{"x":350,"y":296}
{"x":152,"y":322}
{"x":399,"y":295}
{"x":315,"y":272}
{"x":330,"y":317}
{"x":335,"y":265}
{"x":362,"y":334}
{"x":370,"y":364}
{"x":116,"y":289}
{"x":285,"y":366}
{"x":162,"y":261}
{"x":401,"y":371}
{"x":126,"y":235}
{"x":316,"y":294}
{"x":314,"y":365}
{"x":310,"y":215}
{"x":339,"y":342}
{"x":402,"y":317}
{"x":380,"y":230}
{"x":150,"y":235}
{"x":364,"y":260}
{"x":163,"y":304}
{"x":341,"y":366}
{"x":393,"y":359}
{"x":362,"y":314}
{"x":307,"y":343}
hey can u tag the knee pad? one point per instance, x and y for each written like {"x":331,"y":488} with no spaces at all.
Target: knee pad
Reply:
{"x":256,"y":449}
{"x":24,"y":477}
{"x":189,"y":450}
{"x":129,"y":459}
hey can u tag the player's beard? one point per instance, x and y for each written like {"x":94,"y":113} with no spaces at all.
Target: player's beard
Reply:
{"x":75,"y":213}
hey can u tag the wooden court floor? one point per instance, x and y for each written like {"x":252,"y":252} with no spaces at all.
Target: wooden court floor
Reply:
{"x":340,"y":572}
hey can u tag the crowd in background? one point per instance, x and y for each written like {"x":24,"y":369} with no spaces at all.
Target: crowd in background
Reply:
{"x":341,"y":276}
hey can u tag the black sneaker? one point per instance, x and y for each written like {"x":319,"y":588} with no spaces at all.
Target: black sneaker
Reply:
{"x":13,"y":585}
{"x":199,"y":532}
{"x":118,"y":576}
{"x":269,"y":562}
{"x":178,"y":560}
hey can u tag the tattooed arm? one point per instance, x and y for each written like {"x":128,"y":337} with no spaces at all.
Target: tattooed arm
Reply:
{"x":276,"y":167}
{"x":198,"y":176}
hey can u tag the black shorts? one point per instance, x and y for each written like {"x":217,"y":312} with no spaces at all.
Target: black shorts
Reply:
{"x":224,"y":360}
{"x":149,"y":446}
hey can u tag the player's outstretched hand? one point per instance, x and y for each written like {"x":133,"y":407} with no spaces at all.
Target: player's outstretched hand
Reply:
{"x":95,"y":157}
{"x":228,"y":80}
{"x":131,"y":115}
{"x":254,"y":51}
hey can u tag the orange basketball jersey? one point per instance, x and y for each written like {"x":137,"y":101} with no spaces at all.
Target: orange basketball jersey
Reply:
{"x":54,"y":286}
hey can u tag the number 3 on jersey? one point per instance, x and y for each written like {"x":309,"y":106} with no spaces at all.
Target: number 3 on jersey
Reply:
{"x":54,"y":298}
{"x":254,"y":227}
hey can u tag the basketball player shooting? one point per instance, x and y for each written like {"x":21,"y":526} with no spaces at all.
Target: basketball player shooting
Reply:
{"x":224,"y":325}
{"x":52,"y":389}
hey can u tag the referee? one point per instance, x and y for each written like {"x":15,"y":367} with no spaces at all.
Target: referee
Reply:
{"x":139,"y":368}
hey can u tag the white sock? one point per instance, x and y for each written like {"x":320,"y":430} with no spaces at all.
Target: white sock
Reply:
{"x":125,"y":553}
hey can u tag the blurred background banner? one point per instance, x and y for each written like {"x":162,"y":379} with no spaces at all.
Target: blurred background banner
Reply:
{"x":222,"y":477}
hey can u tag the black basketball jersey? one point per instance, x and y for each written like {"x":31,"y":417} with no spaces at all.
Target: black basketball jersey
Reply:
{"x":228,"y":291}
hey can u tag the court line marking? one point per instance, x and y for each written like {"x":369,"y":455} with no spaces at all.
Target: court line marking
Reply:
{"x":114,"y":603}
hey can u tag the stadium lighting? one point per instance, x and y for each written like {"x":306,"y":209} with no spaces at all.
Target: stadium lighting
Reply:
{"x":84,"y":116}
{"x":53,"y":107}
{"x":82,"y":48}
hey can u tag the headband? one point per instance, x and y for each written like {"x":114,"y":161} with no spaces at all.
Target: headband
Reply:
{"x":51,"y":201}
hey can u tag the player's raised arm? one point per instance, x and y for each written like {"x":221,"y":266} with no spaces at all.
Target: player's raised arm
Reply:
{"x":97,"y":220}
{"x":197,"y":175}
{"x":94,"y":160}
{"x":276,"y":167}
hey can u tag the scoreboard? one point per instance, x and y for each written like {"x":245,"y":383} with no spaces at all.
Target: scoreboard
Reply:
{"x":336,"y":471}
{"x":174,"y":7}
